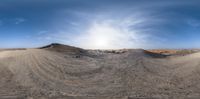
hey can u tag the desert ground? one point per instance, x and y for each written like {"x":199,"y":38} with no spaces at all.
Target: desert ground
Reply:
{"x":64,"y":72}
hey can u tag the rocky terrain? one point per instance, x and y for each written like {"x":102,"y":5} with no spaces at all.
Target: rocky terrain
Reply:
{"x":64,"y":72}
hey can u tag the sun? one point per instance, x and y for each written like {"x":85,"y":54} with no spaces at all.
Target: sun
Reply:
{"x":104,"y":35}
{"x":100,"y":42}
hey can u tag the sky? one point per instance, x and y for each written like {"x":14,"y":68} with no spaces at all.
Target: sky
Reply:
{"x":100,"y":24}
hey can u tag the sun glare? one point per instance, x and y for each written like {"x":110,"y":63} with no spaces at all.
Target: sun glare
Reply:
{"x":102,"y":36}
{"x":107,"y":35}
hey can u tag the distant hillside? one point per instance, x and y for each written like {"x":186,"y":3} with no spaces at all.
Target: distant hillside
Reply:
{"x":170,"y":52}
{"x":63,"y":48}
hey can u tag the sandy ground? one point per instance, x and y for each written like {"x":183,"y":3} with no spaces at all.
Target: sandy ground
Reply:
{"x":95,"y":74}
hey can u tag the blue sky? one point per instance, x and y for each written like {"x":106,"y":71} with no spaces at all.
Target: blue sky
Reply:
{"x":100,"y":24}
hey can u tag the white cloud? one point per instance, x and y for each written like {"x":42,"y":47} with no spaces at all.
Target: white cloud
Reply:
{"x":111,"y":34}
{"x":108,"y":33}
{"x":42,"y":32}
{"x":19,"y":20}
{"x":193,"y":22}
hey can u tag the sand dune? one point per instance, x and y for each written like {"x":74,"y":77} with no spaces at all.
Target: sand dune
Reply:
{"x":65,"y":72}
